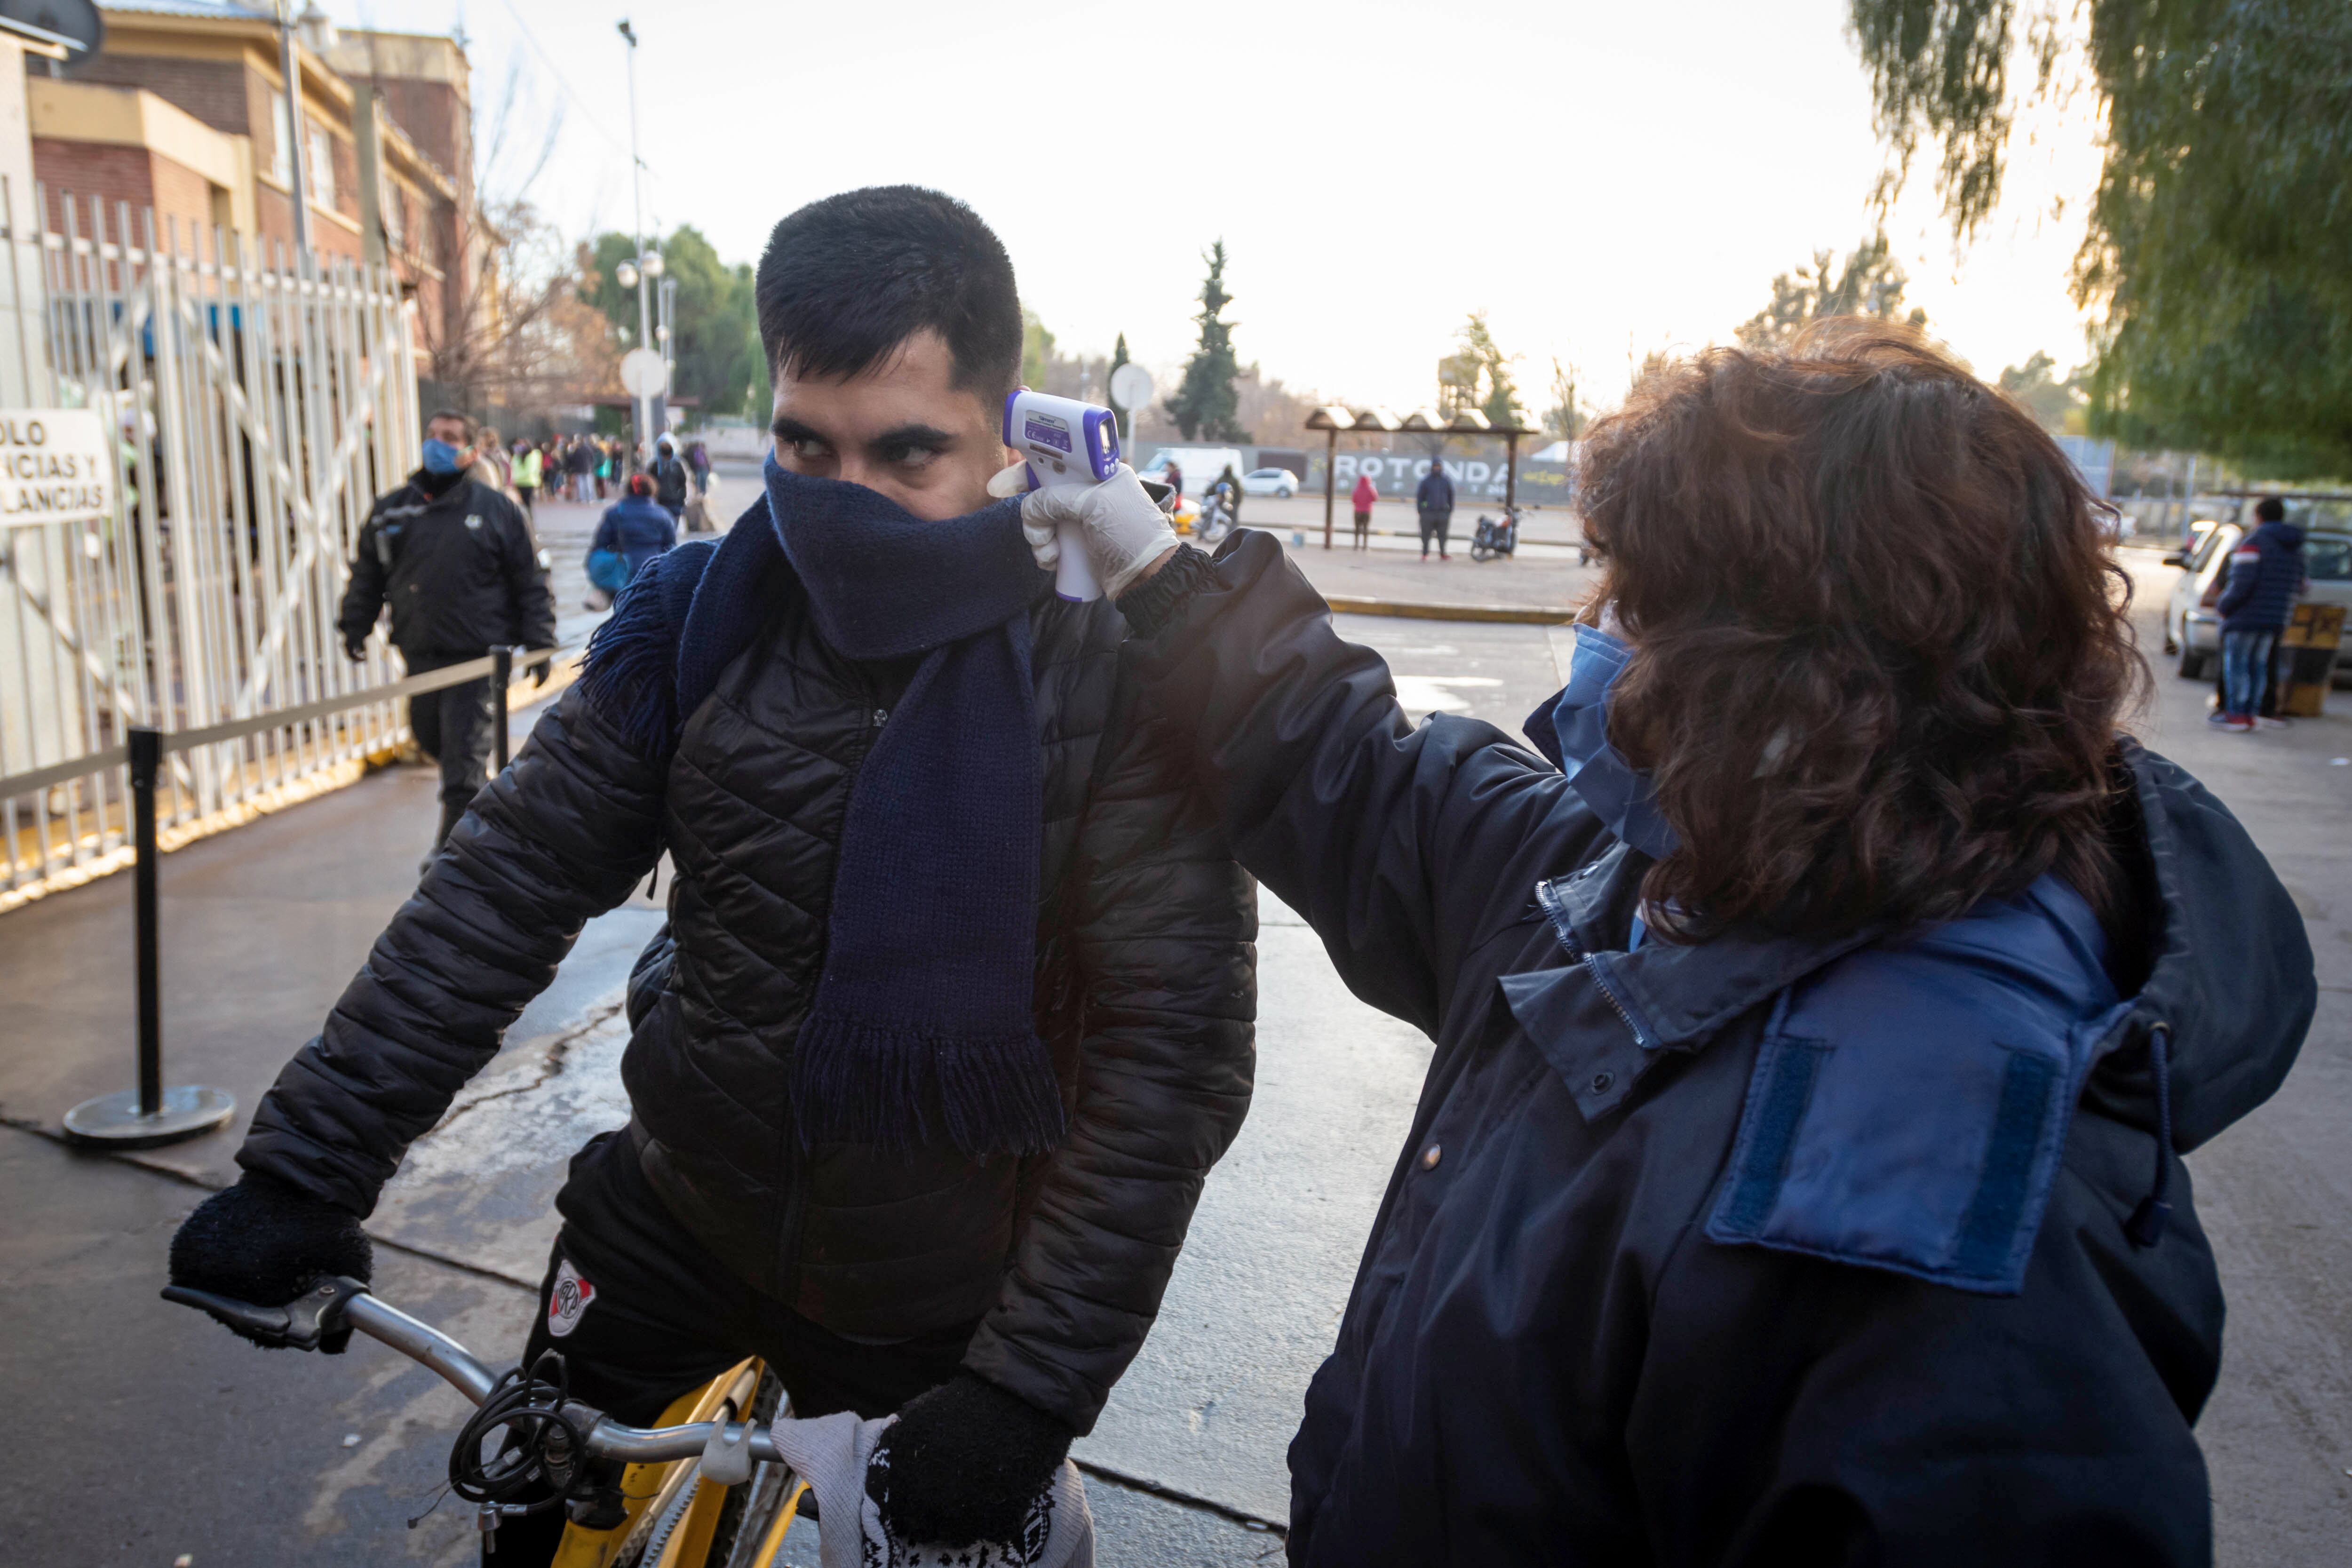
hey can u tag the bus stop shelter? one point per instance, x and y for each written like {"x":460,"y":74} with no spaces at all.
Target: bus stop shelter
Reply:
{"x":1335,"y":421}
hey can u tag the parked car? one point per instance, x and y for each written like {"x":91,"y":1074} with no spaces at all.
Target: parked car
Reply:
{"x":2192,"y":626}
{"x":1270,"y":483}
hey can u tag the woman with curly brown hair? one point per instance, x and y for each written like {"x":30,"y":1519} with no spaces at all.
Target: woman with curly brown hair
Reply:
{"x":1817,"y":1031}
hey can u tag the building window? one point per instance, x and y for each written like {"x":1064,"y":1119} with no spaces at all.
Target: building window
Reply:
{"x":396,"y":226}
{"x":321,"y":167}
{"x":281,"y":143}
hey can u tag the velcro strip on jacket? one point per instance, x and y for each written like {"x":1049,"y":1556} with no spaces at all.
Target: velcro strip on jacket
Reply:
{"x":1910,"y":1103}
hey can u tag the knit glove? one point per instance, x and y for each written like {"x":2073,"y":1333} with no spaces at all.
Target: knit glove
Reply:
{"x":964,"y":1464}
{"x":264,"y":1242}
{"x":1126,"y":533}
{"x":355,"y":649}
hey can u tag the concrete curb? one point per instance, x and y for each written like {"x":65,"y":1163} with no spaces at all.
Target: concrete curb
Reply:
{"x":1518,"y":614}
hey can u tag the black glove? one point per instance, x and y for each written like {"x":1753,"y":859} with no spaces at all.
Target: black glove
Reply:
{"x":355,"y":649}
{"x":964,"y":1464}
{"x":264,"y":1242}
{"x":541,"y":670}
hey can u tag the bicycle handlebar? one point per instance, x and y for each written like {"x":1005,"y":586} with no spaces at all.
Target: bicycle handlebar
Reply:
{"x":346,"y":1303}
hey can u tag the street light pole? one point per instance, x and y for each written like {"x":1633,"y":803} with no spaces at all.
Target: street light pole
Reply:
{"x":289,"y":66}
{"x":643,"y":406}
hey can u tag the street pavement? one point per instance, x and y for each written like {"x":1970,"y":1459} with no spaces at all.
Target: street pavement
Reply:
{"x":152,"y":1434}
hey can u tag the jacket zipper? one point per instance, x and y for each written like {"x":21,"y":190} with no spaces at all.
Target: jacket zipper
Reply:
{"x":1593,"y":964}
{"x":1565,"y":930}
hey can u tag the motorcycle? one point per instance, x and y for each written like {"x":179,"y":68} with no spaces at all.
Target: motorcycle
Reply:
{"x":1493,"y":539}
{"x":1216,"y":519}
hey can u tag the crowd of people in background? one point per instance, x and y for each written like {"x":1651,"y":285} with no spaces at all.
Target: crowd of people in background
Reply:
{"x":588,"y":469}
{"x":651,"y":504}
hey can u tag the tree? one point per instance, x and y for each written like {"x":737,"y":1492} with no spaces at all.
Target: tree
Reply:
{"x":2214,"y":255}
{"x":1869,"y":283}
{"x":1118,"y":357}
{"x":1565,"y":418}
{"x":1036,"y":350}
{"x":512,"y":341}
{"x":714,"y":316}
{"x":1205,"y":404}
{"x":2057,"y":406}
{"x":1478,"y":375}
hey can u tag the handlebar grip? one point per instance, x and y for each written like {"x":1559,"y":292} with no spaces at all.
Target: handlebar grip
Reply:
{"x":303,"y":1323}
{"x":268,"y":1322}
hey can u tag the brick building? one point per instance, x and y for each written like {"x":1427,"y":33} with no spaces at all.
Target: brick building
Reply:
{"x":184,"y":112}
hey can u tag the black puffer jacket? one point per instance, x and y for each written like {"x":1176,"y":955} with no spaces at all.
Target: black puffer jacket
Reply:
{"x":457,"y":564}
{"x":1145,"y":992}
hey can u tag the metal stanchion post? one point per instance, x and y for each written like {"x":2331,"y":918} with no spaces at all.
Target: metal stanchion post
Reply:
{"x":501,"y":676}
{"x":151,"y":1114}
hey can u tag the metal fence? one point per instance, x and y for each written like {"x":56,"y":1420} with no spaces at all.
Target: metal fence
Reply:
{"x":259,"y":405}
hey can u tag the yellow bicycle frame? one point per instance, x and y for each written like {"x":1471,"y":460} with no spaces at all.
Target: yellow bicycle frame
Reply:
{"x":651,"y":1488}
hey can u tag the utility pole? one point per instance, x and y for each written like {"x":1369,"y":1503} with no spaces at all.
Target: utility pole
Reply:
{"x":643,"y":406}
{"x":288,"y":64}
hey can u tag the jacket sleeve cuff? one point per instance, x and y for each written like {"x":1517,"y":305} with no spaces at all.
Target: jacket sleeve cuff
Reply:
{"x":1153,"y":602}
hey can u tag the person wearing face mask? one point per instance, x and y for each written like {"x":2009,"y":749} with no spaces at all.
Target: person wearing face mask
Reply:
{"x":953,"y":1010}
{"x":1818,"y":1021}
{"x":454,"y":560}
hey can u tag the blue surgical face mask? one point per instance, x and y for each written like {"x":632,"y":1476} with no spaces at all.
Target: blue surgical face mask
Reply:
{"x":1575,"y":724}
{"x":440,"y":457}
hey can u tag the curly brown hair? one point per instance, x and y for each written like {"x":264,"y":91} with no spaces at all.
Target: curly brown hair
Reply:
{"x":1881,"y":649}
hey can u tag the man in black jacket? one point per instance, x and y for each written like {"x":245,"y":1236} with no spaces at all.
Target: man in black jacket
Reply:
{"x":1434,"y":498}
{"x":456,"y":562}
{"x":673,"y":480}
{"x":910,"y":1174}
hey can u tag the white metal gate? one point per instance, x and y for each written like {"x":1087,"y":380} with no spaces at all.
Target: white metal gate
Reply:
{"x":257,"y":408}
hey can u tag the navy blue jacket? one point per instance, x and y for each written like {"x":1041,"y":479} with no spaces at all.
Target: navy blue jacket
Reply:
{"x":638,"y":528}
{"x":1436,"y":491}
{"x":1762,"y":1250}
{"x":2266,"y":577}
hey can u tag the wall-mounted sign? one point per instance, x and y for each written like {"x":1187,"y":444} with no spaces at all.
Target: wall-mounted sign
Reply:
{"x":54,"y":466}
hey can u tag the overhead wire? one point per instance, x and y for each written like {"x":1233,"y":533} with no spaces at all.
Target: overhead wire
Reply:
{"x":578,"y":103}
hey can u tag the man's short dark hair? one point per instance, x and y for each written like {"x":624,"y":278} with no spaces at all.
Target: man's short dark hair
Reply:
{"x":2270,"y":508}
{"x":846,"y":280}
{"x":465,"y":419}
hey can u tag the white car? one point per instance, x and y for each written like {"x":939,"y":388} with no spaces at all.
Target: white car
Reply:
{"x":1270,"y":483}
{"x":2192,"y":626}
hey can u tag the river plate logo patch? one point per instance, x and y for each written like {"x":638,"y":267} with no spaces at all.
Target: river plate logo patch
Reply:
{"x":568,"y":1301}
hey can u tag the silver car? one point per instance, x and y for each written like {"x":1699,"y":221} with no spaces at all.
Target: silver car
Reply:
{"x":2192,"y":626}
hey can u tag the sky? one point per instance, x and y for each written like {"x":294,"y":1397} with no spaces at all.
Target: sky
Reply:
{"x":1603,"y":180}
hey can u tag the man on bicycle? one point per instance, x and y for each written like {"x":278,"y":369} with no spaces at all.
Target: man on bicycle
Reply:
{"x":954,"y":1011}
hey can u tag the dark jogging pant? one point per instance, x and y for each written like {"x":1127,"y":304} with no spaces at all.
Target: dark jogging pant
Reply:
{"x":1436,"y":525}
{"x":452,"y":726}
{"x":642,"y":1312}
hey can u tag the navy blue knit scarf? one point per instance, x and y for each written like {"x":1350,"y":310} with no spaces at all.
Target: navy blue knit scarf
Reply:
{"x":921,"y":1024}
{"x":920,"y":1030}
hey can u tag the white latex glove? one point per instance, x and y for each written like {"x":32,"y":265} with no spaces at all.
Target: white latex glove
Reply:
{"x":1125,"y":529}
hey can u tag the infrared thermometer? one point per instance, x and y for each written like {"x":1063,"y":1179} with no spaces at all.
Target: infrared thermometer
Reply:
{"x":1065,"y":442}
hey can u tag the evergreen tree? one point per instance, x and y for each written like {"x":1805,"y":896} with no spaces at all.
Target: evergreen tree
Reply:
{"x":1205,"y":404}
{"x":1490,"y":367}
{"x":1120,"y":415}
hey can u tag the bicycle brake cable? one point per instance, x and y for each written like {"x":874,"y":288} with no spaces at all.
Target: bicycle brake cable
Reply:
{"x":530,"y":1408}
